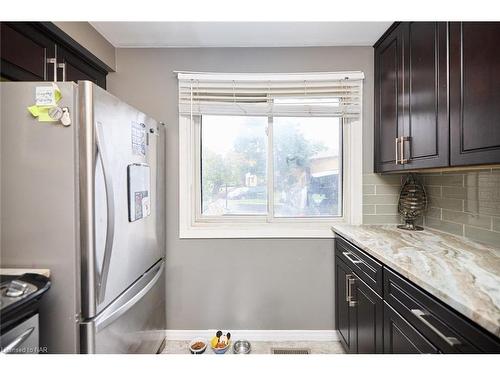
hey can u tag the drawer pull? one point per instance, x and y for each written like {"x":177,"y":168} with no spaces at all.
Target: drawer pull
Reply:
{"x":451,"y":341}
{"x":348,"y":255}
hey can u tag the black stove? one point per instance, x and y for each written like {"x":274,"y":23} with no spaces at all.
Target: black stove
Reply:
{"x":19,"y":297}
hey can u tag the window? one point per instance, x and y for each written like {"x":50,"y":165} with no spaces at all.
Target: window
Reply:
{"x":236,"y":161}
{"x":258,"y":158}
{"x":234,"y":165}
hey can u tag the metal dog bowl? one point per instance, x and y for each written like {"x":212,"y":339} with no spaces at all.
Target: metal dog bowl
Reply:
{"x":241,"y":347}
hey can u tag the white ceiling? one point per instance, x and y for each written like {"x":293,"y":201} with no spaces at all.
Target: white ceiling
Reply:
{"x":240,"y":34}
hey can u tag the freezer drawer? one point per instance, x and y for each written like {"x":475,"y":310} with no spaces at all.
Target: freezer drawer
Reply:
{"x":134,"y":322}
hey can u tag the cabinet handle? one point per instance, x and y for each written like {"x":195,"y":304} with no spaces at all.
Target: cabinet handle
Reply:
{"x":451,"y":341}
{"x":397,"y":157}
{"x":63,"y":67}
{"x":348,"y":255}
{"x":402,"y":145}
{"x":53,"y":61}
{"x":350,"y":282}
{"x":347,"y":297}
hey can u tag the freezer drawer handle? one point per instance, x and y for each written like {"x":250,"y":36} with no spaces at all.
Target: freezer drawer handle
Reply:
{"x":110,"y":207}
{"x":107,"y":319}
{"x":17,"y":341}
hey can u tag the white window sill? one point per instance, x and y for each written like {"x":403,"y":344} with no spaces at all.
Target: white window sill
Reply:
{"x":319,"y":229}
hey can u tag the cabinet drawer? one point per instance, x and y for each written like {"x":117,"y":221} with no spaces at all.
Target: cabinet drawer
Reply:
{"x":443,"y":327}
{"x":366,"y":268}
{"x":400,"y":337}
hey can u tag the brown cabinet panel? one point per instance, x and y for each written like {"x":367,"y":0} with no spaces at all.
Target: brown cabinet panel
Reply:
{"x":402,"y":338}
{"x":474,"y":92}
{"x":358,"y":311}
{"x":411,"y":97}
{"x":402,"y":319}
{"x":26,"y":46}
{"x":343,"y":316}
{"x":426,"y":95}
{"x":368,"y":319}
{"x":389,"y":100}
{"x":24,"y":52}
{"x":75,"y":69}
{"x":367,"y":268}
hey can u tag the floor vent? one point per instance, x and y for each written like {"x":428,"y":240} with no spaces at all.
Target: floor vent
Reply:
{"x":290,"y":351}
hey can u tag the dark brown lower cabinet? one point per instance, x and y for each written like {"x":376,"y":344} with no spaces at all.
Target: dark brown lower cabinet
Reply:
{"x":359,"y":313}
{"x":343,"y":316}
{"x":382,"y":312}
{"x":400,"y":337}
{"x":368,"y":318}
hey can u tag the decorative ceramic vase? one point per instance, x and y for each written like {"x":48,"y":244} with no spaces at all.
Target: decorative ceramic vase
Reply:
{"x":412,"y":203}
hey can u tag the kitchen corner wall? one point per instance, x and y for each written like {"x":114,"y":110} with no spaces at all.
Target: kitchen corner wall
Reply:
{"x":238,"y":283}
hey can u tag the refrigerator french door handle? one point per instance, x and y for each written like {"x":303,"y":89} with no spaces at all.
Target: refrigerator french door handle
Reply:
{"x":108,"y":318}
{"x":110,"y":207}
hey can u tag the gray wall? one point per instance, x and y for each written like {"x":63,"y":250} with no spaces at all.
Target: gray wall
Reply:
{"x":244,"y":283}
{"x":85,"y":34}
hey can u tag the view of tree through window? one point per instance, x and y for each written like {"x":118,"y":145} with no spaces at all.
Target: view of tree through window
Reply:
{"x":234,"y":165}
{"x":306,"y":163}
{"x":306,"y":166}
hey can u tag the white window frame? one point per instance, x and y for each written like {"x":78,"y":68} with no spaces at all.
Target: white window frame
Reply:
{"x":193,"y":225}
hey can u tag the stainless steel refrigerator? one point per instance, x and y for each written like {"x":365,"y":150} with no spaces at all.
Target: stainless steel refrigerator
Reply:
{"x":86,"y":200}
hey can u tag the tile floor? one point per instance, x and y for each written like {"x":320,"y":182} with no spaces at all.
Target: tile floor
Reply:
{"x":264,"y":347}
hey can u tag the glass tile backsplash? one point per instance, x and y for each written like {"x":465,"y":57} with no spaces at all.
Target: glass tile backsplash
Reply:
{"x":465,"y":203}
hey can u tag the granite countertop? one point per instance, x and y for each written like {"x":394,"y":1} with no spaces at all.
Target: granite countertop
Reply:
{"x":21,"y":271}
{"x":462,"y":273}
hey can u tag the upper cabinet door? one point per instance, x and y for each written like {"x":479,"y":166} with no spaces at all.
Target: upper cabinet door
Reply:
{"x":74,"y":68}
{"x":426,"y":95}
{"x":389,"y":101}
{"x":27,"y":46}
{"x":474,"y":93}
{"x":411,"y":98}
{"x":24,"y":53}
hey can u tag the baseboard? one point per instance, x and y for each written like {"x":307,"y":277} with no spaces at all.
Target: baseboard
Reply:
{"x":257,"y":335}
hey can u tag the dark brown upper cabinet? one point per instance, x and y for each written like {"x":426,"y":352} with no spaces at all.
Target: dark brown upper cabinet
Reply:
{"x":35,"y":51}
{"x":389,"y":100}
{"x":411,"y":97}
{"x":24,"y":52}
{"x":474,"y":93}
{"x":437,"y":89}
{"x":73,"y":68}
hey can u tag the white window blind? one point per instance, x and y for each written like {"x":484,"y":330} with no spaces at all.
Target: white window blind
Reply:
{"x":300,"y":94}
